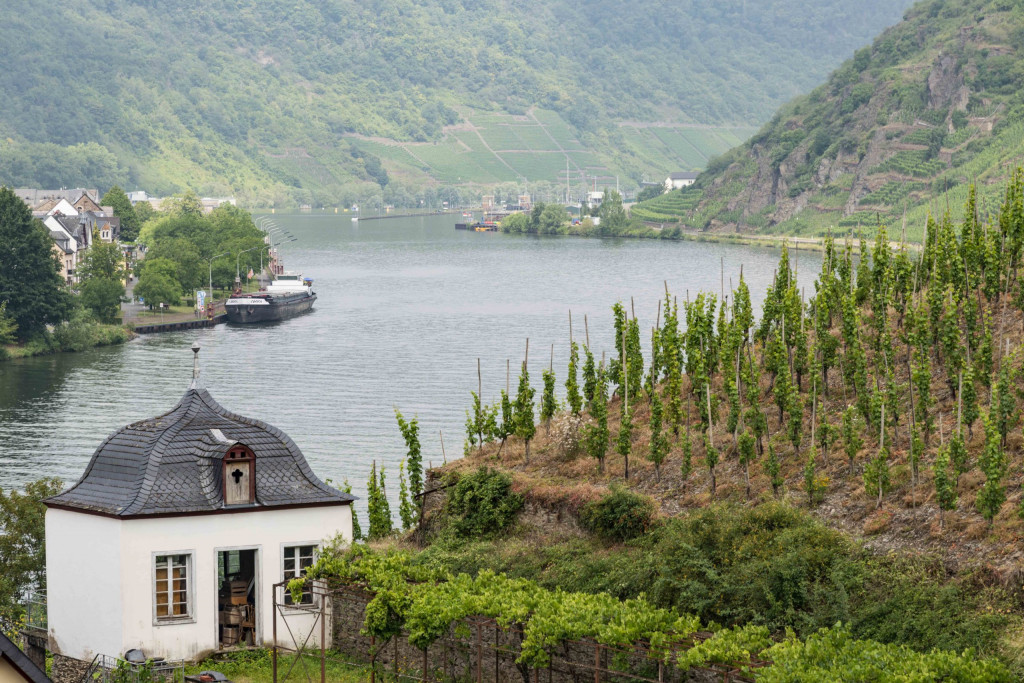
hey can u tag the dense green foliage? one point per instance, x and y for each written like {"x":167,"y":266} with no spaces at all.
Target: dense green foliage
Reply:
{"x":482,"y":504}
{"x":22,"y":546}
{"x":255,"y":98}
{"x":101,"y":272}
{"x":426,"y":600}
{"x":184,"y":244}
{"x":620,"y":515}
{"x":932,"y":106}
{"x":30,"y":284}
{"x":771,"y":565}
{"x":123,"y":209}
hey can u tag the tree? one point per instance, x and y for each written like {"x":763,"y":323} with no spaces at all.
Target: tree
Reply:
{"x":993,"y":463}
{"x":22,"y":544}
{"x":711,"y":460}
{"x":659,"y":440}
{"x":406,"y":509}
{"x":596,"y":434}
{"x":548,"y":404}
{"x":8,"y":328}
{"x":102,"y":274}
{"x":505,"y":427}
{"x":123,"y":209}
{"x":525,"y":428}
{"x":378,"y":509}
{"x":686,"y":445}
{"x":613,"y":216}
{"x":624,"y":442}
{"x":30,"y":281}
{"x":155,"y":287}
{"x":572,"y":387}
{"x":414,"y":456}
{"x":187,"y":204}
{"x":103,"y":297}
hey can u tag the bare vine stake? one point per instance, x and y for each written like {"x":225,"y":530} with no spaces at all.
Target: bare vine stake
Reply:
{"x":443,"y":454}
{"x":586,"y":329}
{"x":570,"y":327}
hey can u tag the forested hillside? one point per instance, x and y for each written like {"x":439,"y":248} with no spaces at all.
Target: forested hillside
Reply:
{"x":261,"y":98}
{"x":901,"y":129}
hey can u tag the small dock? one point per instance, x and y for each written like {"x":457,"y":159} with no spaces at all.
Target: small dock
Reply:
{"x":193,"y":324}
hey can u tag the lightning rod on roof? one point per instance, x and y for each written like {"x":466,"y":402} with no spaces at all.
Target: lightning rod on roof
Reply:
{"x":195,"y":360}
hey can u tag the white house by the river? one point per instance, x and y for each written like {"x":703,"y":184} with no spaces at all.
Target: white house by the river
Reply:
{"x":172,"y":539}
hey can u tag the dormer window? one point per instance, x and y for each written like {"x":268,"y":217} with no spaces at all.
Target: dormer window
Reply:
{"x":239,"y":476}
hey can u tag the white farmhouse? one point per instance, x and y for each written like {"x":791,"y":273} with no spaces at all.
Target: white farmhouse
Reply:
{"x":679,"y":179}
{"x":173,"y":538}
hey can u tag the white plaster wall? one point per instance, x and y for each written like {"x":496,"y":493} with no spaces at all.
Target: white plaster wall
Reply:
{"x":203,"y":536}
{"x":83,"y":582}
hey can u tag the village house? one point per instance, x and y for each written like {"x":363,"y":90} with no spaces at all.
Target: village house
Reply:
{"x":679,"y":180}
{"x":171,"y":541}
{"x":34,"y":197}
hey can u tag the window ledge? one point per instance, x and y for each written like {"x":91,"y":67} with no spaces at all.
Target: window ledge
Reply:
{"x":173,"y":621}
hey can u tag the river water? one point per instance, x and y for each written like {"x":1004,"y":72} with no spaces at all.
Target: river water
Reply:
{"x":405,"y":308}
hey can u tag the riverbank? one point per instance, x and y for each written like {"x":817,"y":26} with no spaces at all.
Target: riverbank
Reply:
{"x":80,"y":333}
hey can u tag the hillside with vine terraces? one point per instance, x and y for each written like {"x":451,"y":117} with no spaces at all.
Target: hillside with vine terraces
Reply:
{"x":902,"y":129}
{"x":842,"y":473}
{"x":848,"y":401}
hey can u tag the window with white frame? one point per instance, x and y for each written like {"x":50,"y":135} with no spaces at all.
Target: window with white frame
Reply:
{"x":171,"y":590}
{"x":297,"y":559}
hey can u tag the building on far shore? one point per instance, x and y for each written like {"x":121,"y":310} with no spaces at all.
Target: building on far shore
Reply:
{"x":679,"y":180}
{"x":34,"y":197}
{"x":172,"y":540}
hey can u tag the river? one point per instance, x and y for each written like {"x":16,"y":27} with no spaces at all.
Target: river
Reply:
{"x":405,"y":308}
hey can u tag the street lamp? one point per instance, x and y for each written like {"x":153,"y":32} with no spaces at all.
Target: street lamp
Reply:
{"x":211,"y":272}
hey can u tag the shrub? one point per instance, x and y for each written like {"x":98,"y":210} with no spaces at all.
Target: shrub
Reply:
{"x":565,"y":432}
{"x":619,"y":516}
{"x":483,"y":503}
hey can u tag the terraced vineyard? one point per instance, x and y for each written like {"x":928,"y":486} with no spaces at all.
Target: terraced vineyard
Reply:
{"x":671,"y":207}
{"x":491,"y":148}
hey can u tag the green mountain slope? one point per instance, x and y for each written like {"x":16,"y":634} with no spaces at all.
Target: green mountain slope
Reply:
{"x":260,"y":98}
{"x":903,"y":128}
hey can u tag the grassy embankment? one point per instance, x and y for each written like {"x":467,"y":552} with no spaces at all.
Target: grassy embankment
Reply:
{"x":255,"y":666}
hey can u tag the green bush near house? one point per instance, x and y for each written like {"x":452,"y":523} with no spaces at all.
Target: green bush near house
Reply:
{"x":619,"y":516}
{"x":483,"y":504}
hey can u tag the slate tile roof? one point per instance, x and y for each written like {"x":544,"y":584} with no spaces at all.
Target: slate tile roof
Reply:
{"x":24,"y":666}
{"x":172,"y":464}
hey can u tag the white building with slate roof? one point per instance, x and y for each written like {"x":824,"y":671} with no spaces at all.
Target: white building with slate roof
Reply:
{"x":173,"y":538}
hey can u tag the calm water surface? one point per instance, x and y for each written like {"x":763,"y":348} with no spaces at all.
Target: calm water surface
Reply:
{"x":405,"y":308}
